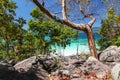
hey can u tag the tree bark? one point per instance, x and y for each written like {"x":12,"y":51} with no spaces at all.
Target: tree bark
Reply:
{"x":91,"y":42}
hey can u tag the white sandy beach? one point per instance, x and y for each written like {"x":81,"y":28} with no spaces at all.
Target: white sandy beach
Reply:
{"x":72,"y":48}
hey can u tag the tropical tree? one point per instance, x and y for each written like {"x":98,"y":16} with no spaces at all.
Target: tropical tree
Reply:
{"x":71,"y":10}
{"x":110,"y":30}
{"x":7,"y":14}
{"x":10,"y":29}
{"x":47,"y":33}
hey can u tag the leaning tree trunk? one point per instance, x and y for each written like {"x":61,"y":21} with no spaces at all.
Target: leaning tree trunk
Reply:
{"x":91,"y":42}
{"x":83,"y":27}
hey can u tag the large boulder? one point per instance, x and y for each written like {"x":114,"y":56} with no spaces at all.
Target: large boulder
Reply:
{"x":7,"y":72}
{"x":115,"y":71}
{"x":110,"y":54}
{"x":92,"y":65}
{"x":39,"y":66}
{"x":28,"y":69}
{"x":49,"y":63}
{"x":81,"y":69}
{"x":25,"y":64}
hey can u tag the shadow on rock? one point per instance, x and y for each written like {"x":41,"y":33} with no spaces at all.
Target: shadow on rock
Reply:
{"x":9,"y":73}
{"x":23,"y":70}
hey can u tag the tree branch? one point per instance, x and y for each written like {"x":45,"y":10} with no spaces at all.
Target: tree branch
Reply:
{"x":62,"y":21}
{"x":64,"y":9}
{"x":91,"y":22}
{"x":43,"y":9}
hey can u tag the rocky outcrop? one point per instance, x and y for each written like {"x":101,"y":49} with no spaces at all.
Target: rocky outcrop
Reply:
{"x":33,"y":68}
{"x":70,"y":68}
{"x":111,"y":54}
{"x":93,"y":66}
{"x":25,"y":64}
{"x":90,"y":69}
{"x":116,"y":72}
{"x":49,"y":63}
{"x":8,"y":72}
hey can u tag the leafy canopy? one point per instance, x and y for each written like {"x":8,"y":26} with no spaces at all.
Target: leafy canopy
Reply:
{"x":110,"y":30}
{"x":49,"y":33}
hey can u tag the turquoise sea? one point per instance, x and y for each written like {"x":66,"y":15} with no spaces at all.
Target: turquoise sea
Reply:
{"x":77,"y":46}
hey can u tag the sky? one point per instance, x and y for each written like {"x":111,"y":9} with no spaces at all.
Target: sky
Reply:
{"x":24,"y":9}
{"x":26,"y":6}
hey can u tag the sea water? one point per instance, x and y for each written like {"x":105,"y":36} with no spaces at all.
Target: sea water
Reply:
{"x":77,"y":46}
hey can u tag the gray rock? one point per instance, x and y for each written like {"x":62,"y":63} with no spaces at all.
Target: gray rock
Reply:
{"x":75,"y":76}
{"x":93,"y":65}
{"x":40,"y":73}
{"x":9,"y":73}
{"x":110,"y":54}
{"x":91,"y":59}
{"x":48,"y":63}
{"x":24,"y":70}
{"x":65,"y":72}
{"x":116,"y":72}
{"x":100,"y":74}
{"x":12,"y":62}
{"x":25,"y":64}
{"x":79,"y":62}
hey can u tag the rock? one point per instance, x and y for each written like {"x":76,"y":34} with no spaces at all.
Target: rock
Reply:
{"x":40,"y":73}
{"x":75,"y":76}
{"x":48,"y":63}
{"x":116,"y":72}
{"x":9,"y":73}
{"x":79,"y":62}
{"x":65,"y":72}
{"x":100,"y":74}
{"x":91,"y":59}
{"x":110,"y":54}
{"x":93,"y":65}
{"x":81,"y":69}
{"x":25,"y":64}
{"x":23,"y":70}
{"x":4,"y":64}
{"x":12,"y":62}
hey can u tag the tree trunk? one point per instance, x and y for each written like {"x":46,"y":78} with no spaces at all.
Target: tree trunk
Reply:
{"x":84,"y":27}
{"x":91,"y":42}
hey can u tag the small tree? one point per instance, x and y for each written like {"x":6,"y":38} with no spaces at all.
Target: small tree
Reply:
{"x":110,"y":30}
{"x":70,"y":9}
{"x":10,"y":28}
{"x":7,"y":14}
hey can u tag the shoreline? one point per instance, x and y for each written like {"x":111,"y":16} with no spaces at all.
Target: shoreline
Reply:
{"x":74,"y":49}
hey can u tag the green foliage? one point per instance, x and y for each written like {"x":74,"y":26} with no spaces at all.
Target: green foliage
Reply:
{"x":48,"y":33}
{"x":110,"y":30}
{"x":10,"y":30}
{"x":42,"y":34}
{"x":119,"y":75}
{"x":116,"y":41}
{"x":7,"y":14}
